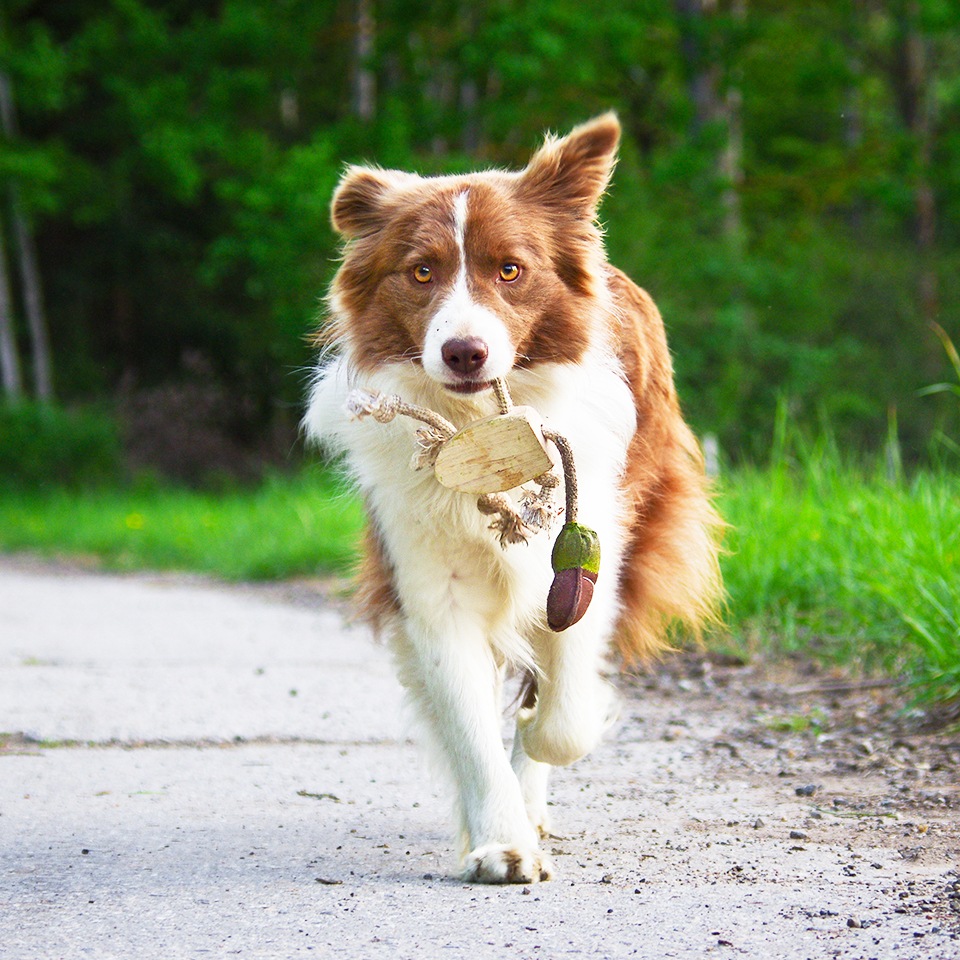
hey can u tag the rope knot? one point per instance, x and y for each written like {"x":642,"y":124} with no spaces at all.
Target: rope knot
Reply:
{"x":366,"y":403}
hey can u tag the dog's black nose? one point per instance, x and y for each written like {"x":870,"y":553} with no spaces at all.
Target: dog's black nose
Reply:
{"x":465,"y":355}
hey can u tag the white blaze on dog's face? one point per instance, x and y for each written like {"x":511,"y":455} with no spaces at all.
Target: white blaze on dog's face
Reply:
{"x":465,"y":344}
{"x":472,"y":276}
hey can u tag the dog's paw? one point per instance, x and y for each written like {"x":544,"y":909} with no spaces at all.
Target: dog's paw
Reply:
{"x":502,"y":863}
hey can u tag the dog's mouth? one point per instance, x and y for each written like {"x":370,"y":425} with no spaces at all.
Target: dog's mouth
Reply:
{"x":469,"y":386}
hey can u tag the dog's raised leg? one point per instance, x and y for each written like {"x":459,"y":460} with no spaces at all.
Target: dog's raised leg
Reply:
{"x":574,"y":703}
{"x":452,"y":678}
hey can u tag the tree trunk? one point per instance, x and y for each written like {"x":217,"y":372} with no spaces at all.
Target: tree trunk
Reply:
{"x":731,"y":159}
{"x":853,"y":115}
{"x":364,"y":80}
{"x":33,"y":302}
{"x":469,"y":105}
{"x":702,"y":73}
{"x":29,"y":272}
{"x":9,"y":356}
{"x":924,"y":198}
{"x":469,"y":98}
{"x":915,"y":97}
{"x":705,"y":74}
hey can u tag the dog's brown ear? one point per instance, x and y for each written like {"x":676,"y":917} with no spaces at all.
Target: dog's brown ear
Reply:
{"x":572,"y":172}
{"x":360,"y":201}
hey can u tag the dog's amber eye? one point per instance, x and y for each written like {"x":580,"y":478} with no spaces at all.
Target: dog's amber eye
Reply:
{"x":422,"y":273}
{"x":509,"y":272}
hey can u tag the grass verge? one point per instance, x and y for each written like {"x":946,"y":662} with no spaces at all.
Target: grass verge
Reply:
{"x":823,"y":560}
{"x":287,"y":526}
{"x":848,"y":566}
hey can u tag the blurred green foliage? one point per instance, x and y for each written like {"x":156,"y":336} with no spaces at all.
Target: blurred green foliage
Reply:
{"x":177,"y":159}
{"x":43,"y":446}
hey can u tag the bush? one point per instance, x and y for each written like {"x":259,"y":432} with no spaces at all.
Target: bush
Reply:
{"x":45,"y":445}
{"x":199,"y":431}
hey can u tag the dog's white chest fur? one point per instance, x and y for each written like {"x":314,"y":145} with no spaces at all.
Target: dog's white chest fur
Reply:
{"x":443,"y":553}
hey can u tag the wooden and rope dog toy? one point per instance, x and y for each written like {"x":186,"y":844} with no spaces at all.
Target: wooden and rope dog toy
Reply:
{"x":496,"y":454}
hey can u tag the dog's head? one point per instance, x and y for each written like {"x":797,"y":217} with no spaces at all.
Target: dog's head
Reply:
{"x":473,"y":275}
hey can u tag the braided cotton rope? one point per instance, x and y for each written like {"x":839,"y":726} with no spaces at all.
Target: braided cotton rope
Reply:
{"x":383,"y":408}
{"x":569,"y":472}
{"x":502,"y":391}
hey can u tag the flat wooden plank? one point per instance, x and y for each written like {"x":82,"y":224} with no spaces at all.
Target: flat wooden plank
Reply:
{"x":495,"y":454}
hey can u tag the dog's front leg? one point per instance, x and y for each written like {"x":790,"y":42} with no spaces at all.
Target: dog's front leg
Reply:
{"x":533,"y":777}
{"x":451,"y":675}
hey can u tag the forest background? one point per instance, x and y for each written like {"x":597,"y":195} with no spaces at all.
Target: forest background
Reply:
{"x":788,"y":191}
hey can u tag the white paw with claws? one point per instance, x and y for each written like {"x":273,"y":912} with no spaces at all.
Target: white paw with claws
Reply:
{"x":502,"y":863}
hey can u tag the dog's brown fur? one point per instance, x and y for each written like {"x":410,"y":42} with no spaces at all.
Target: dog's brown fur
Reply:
{"x":671,"y":572}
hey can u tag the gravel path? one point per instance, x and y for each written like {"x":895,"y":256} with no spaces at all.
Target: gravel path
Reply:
{"x":189,"y":769}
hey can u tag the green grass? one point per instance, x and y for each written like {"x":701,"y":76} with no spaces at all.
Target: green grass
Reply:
{"x":823,"y":560}
{"x":848,"y":566}
{"x":286,"y":527}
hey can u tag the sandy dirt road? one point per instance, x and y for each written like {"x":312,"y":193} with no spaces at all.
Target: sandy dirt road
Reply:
{"x":191,"y":770}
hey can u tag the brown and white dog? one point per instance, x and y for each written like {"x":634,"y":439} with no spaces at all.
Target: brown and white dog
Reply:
{"x":446,"y":284}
